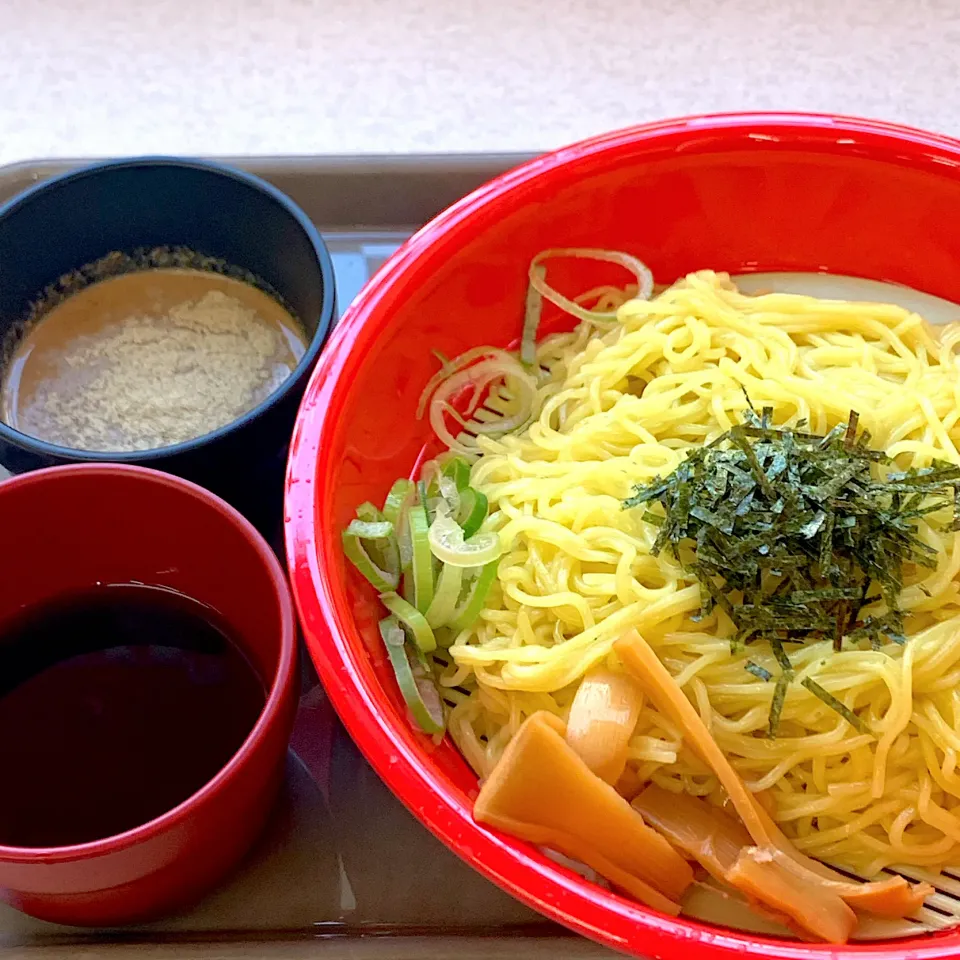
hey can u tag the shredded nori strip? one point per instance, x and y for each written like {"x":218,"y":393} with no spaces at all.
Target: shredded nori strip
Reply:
{"x":792,"y":534}
{"x":776,"y":705}
{"x":782,"y":658}
{"x":757,"y":670}
{"x":787,"y":531}
{"x":834,"y":704}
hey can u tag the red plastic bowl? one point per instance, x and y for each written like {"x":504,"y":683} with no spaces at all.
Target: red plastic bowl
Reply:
{"x":67,"y":528}
{"x":738,"y":193}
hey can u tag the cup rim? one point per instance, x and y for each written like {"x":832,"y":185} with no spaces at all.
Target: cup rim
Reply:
{"x":317,"y":341}
{"x":282,"y":678}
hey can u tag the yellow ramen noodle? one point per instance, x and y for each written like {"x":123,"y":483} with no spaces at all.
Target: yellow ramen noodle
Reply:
{"x":619,"y":406}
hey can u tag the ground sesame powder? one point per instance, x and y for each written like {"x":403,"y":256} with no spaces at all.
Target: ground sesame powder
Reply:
{"x":149,"y":359}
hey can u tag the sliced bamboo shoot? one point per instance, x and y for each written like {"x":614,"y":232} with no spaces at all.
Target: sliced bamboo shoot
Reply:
{"x":543,"y":792}
{"x":889,"y":898}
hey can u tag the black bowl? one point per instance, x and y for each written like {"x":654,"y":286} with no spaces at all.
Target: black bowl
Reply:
{"x":75,"y":219}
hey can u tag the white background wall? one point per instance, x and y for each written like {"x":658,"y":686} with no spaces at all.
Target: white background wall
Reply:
{"x":101,"y":77}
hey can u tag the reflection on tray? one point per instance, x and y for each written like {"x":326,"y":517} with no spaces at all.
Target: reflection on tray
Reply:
{"x":357,"y":257}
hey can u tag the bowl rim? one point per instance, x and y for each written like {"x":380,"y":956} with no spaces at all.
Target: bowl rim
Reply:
{"x":280,"y":688}
{"x":215,"y":168}
{"x":331,"y":636}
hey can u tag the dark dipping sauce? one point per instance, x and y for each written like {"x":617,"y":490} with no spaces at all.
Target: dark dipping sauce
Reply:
{"x":116,"y":705}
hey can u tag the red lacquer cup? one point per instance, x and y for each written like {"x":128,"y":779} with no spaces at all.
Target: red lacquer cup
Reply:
{"x":68,"y":528}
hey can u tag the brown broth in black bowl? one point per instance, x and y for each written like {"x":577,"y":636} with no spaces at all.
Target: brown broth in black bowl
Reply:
{"x":116,"y":705}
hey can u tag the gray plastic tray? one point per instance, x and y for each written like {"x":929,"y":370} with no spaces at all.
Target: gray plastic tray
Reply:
{"x":343,"y":872}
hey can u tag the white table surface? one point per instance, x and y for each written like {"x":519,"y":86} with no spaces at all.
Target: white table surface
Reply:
{"x":108,"y":77}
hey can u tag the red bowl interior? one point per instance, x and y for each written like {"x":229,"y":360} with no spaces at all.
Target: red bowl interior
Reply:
{"x":737,"y":193}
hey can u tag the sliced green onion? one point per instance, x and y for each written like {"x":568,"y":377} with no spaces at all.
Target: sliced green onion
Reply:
{"x":412,"y":619}
{"x":416,"y":686}
{"x":374,"y":526}
{"x":483,"y":379}
{"x":473,"y":511}
{"x":421,"y":560}
{"x":531,"y":316}
{"x":448,"y":545}
{"x":368,"y":512}
{"x":428,"y":487}
{"x":370,"y":529}
{"x":428,"y":690}
{"x":383,"y":572}
{"x":640,"y":271}
{"x":427,"y":501}
{"x":395,"y":510}
{"x":396,"y":500}
{"x":404,"y":542}
{"x":445,"y":599}
{"x":458,"y":470}
{"x":451,"y":496}
{"x":469,"y":609}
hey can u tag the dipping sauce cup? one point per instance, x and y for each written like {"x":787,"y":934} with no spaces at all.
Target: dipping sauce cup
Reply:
{"x":69,"y":529}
